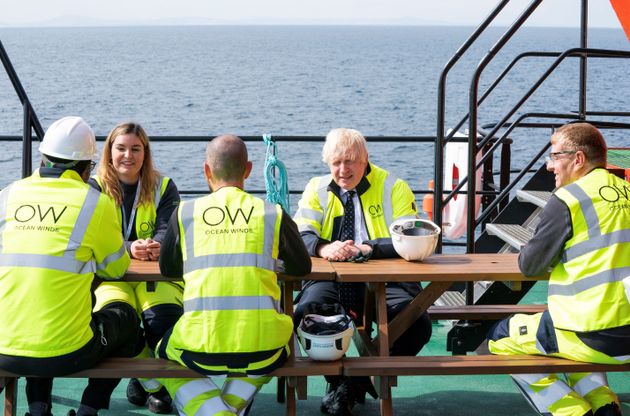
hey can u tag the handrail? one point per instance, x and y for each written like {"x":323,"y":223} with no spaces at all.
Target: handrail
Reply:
{"x":473,"y":148}
{"x":31,"y":122}
{"x":595,"y":53}
{"x":441,"y":110}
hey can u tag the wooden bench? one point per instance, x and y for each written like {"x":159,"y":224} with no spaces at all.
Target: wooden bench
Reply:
{"x":468,"y":365}
{"x":481,"y":312}
{"x":294,"y":371}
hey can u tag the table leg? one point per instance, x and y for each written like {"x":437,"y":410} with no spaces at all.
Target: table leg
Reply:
{"x":415,"y":308}
{"x":382,"y":344}
{"x":10,"y":396}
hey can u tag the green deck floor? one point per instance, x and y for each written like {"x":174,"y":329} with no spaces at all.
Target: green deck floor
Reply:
{"x":421,"y":396}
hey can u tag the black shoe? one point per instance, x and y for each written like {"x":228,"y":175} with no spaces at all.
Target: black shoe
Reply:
{"x":611,"y":409}
{"x":71,"y":412}
{"x":160,"y":402}
{"x":47,"y":414}
{"x":135,"y":393}
{"x":327,"y":400}
{"x":340,"y":400}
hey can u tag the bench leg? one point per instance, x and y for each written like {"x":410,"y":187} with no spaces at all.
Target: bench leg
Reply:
{"x":386,"y":407}
{"x":280,"y":389}
{"x":10,"y":396}
{"x":290,"y":407}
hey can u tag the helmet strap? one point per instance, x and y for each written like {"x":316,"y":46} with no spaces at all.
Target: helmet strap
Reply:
{"x":65,"y":166}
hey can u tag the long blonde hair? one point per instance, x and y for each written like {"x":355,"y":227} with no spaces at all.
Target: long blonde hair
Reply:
{"x":108,"y":175}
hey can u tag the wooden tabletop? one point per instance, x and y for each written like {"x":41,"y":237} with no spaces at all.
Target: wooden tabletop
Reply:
{"x":147,"y":271}
{"x":438,"y":267}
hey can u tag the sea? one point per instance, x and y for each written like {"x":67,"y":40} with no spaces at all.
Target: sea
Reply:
{"x":293,"y":80}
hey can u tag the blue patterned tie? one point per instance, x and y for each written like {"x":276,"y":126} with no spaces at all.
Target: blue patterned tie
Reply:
{"x":348,"y":291}
{"x":347,"y":224}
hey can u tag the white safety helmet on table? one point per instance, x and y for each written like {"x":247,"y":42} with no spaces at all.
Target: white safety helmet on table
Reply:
{"x":414,"y":239}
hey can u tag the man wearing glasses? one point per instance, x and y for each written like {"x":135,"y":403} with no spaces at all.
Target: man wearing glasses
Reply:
{"x":584,"y":238}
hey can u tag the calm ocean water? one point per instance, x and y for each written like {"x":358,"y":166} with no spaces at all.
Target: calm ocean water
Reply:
{"x":287,"y":80}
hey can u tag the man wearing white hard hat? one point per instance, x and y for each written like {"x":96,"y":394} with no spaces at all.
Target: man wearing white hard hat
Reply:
{"x":345,"y":216}
{"x":56,"y":234}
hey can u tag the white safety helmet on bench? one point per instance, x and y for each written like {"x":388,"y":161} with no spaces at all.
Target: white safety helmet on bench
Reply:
{"x":325,"y":332}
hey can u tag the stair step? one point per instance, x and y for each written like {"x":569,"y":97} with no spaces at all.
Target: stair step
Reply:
{"x":451,"y":298}
{"x":513,"y":234}
{"x":538,"y":198}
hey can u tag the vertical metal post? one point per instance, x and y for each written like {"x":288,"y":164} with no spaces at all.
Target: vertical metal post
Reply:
{"x":27,"y":142}
{"x":583,"y":58}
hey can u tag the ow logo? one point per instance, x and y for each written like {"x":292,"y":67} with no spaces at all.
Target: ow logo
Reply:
{"x":25,"y":213}
{"x":375,"y":210}
{"x":214,"y":216}
{"x":613,"y":194}
{"x":146,"y":229}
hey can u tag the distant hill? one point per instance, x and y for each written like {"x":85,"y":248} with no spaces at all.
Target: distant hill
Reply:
{"x":80,"y":21}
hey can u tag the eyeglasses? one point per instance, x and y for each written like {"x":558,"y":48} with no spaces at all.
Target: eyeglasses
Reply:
{"x":553,"y":156}
{"x":92,"y":165}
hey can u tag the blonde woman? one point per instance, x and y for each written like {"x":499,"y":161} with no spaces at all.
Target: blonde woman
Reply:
{"x":146,"y":201}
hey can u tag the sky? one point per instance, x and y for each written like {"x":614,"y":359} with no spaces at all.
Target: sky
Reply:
{"x":433,"y":12}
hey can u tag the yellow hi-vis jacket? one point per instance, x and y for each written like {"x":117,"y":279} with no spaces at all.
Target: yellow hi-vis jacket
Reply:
{"x":385,"y":200}
{"x":586,"y":290}
{"x":146,"y":214}
{"x":55,"y":233}
{"x":229,"y":242}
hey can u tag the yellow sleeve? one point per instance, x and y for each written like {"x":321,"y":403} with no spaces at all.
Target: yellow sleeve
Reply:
{"x":403,"y":201}
{"x":309,"y":215}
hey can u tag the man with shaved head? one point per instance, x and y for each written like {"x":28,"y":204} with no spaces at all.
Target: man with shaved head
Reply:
{"x":226,"y":245}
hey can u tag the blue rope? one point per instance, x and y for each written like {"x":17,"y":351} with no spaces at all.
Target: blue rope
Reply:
{"x":277,"y":191}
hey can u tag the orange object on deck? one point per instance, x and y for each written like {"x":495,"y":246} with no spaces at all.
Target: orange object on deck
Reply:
{"x":622,"y":8}
{"x":427,"y":201}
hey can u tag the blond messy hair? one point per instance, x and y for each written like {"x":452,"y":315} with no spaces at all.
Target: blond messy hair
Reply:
{"x":347,"y":143}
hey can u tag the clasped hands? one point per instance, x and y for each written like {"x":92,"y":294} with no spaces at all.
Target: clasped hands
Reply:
{"x":145,"y":249}
{"x":343,"y":250}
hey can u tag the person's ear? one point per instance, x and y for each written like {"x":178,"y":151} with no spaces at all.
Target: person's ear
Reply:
{"x":580,"y":158}
{"x":248,"y":169}
{"x":207,"y":172}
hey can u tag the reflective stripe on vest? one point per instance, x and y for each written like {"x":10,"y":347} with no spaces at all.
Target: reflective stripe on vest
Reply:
{"x":231,"y":303}
{"x":586,"y":283}
{"x":67,"y":262}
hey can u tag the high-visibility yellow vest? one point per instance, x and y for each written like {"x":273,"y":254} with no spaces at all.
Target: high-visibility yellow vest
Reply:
{"x":386,"y":200}
{"x":229,"y":242}
{"x":146,"y":213}
{"x":586,"y":291}
{"x":55,"y":233}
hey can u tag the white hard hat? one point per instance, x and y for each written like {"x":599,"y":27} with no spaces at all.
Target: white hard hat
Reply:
{"x":325,"y":338}
{"x":414,"y":239}
{"x":69,"y":138}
